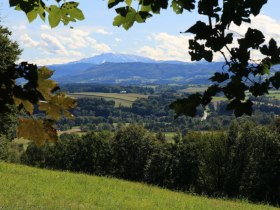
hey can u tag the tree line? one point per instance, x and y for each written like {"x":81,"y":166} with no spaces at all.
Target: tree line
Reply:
{"x":94,"y":114}
{"x":242,"y":162}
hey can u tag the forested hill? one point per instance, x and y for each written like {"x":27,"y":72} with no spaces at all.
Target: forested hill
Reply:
{"x":126,"y":69}
{"x":135,"y":73}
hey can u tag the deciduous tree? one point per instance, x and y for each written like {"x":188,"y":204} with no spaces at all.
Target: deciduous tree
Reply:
{"x":24,"y":87}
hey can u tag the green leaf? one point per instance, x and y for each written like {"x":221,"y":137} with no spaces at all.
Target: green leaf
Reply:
{"x":139,"y":19}
{"x":176,"y":8}
{"x":126,"y":17}
{"x":112,"y":3}
{"x":118,"y":20}
{"x":42,"y":12}
{"x":145,"y":8}
{"x":77,"y":14}
{"x":32,"y":15}
{"x":54,"y":16}
{"x":128,"y":2}
{"x":69,"y":5}
{"x":129,"y":20}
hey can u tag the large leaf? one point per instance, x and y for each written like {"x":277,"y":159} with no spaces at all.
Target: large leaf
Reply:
{"x":38,"y":130}
{"x":187,"y":106}
{"x":32,"y":15}
{"x":58,"y":106}
{"x":45,"y":85}
{"x":240,"y":107}
{"x":28,"y":106}
{"x":54,"y":15}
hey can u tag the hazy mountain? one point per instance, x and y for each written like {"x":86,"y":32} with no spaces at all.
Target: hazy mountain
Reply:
{"x":138,"y":73}
{"x":131,"y":69}
{"x":69,"y":69}
{"x":114,"y":58}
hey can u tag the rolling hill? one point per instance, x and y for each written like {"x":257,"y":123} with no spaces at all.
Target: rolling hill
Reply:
{"x":131,"y":69}
{"x":126,"y":69}
{"x":23,"y":187}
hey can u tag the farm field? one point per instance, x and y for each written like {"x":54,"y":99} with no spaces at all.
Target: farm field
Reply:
{"x":73,"y":130}
{"x":275,"y":94}
{"x":194,"y":89}
{"x":272,"y":93}
{"x":169,"y":136}
{"x":120,"y":99}
{"x":45,"y":189}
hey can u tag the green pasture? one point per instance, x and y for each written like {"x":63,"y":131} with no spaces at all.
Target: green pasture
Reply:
{"x":195,"y":89}
{"x":121,"y":99}
{"x":27,"y":188}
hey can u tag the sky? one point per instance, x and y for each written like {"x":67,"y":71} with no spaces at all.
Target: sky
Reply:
{"x":159,"y":38}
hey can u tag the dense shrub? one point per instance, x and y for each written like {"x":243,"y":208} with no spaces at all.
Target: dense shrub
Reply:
{"x":132,"y":147}
{"x":3,"y":147}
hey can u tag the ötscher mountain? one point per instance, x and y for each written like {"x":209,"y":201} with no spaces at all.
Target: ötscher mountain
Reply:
{"x":130,"y":69}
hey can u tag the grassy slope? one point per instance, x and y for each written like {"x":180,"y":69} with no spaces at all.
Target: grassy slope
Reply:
{"x":23,"y":187}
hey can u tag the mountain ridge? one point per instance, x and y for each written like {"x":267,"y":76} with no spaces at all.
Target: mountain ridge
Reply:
{"x":110,"y":68}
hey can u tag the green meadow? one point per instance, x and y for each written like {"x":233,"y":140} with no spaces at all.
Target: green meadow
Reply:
{"x":120,"y":99}
{"x":23,"y":187}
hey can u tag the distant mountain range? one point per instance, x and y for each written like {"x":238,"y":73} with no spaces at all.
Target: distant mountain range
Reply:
{"x":131,"y":69}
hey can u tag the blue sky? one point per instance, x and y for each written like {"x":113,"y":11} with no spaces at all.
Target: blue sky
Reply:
{"x":159,"y":38}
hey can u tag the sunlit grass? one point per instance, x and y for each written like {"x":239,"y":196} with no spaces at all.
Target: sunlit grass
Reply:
{"x":23,"y":187}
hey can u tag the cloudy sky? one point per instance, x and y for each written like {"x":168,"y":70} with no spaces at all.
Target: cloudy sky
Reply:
{"x":159,"y":38}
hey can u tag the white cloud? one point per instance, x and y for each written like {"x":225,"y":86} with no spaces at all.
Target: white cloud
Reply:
{"x":102,"y":48}
{"x":28,"y":41}
{"x":118,"y":39}
{"x":82,"y":39}
{"x":267,"y":25}
{"x":168,"y":47}
{"x":45,"y":27}
{"x":99,"y":47}
{"x":75,"y":53}
{"x":21,"y":27}
{"x":62,"y":45}
{"x":53,"y":60}
{"x":53,"y":44}
{"x":101,"y":31}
